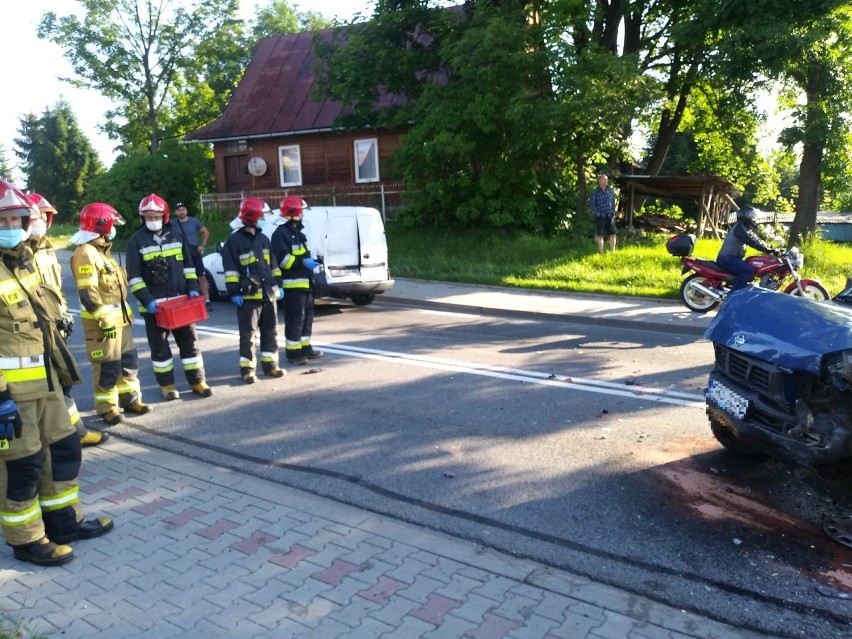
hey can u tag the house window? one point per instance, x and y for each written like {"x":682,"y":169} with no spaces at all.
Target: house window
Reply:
{"x":367,"y":160}
{"x":290,"y":164}
{"x":239,"y":146}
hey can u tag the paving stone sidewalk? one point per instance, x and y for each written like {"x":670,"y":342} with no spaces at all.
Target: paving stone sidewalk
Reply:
{"x":200,"y":552}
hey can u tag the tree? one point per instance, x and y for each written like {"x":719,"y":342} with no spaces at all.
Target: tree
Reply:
{"x":143,"y":53}
{"x":175,"y":172}
{"x":280,"y":17}
{"x":57,"y":159}
{"x":5,"y":167}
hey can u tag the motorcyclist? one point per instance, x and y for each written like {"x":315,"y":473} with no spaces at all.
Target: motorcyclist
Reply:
{"x":743,"y":233}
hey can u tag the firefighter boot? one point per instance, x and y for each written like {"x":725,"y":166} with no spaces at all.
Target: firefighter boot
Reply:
{"x":297,"y":358}
{"x":248,"y":375}
{"x":201,"y":388}
{"x":94,"y":438}
{"x":170,"y":393}
{"x":137,"y":408}
{"x":44,"y":553}
{"x":113,"y":417}
{"x":275,"y":371}
{"x":87,"y":529}
{"x":310,"y":353}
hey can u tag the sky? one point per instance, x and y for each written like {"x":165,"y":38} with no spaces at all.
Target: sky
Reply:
{"x":37,"y":67}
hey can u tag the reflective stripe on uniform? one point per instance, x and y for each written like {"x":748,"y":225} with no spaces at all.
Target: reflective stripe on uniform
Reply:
{"x":60,"y":501}
{"x":102,"y":311}
{"x":247,"y":363}
{"x":247,"y":258}
{"x":298,"y":282}
{"x":190,"y":274}
{"x":163,"y":367}
{"x":25,"y":374}
{"x":107,"y":397}
{"x":170,"y":249}
{"x":9,"y":363}
{"x":232,"y":276}
{"x":266,"y":356}
{"x":20,"y":518}
{"x":191,"y":363}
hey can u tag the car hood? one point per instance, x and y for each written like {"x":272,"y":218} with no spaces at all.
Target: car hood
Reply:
{"x":788,"y":331}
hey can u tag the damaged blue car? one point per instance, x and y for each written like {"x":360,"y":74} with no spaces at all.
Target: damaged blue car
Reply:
{"x":782,"y":380}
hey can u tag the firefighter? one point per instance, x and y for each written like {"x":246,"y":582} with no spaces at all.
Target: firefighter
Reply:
{"x":160,"y":267}
{"x":55,"y":304}
{"x":106,"y":315}
{"x":253,"y":286}
{"x":39,"y":448}
{"x":291,"y":253}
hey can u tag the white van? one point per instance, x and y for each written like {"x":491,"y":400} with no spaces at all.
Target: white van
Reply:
{"x":350,"y":242}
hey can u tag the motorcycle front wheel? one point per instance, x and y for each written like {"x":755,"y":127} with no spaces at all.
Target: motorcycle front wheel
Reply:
{"x":695,"y":299}
{"x":811,"y":290}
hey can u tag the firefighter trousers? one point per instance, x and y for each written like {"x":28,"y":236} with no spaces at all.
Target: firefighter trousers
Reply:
{"x":186,"y":340}
{"x":298,"y":321}
{"x":254,"y":316}
{"x":115,"y":365}
{"x":38,"y":473}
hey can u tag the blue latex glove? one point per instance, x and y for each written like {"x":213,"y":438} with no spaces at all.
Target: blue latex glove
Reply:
{"x":280,"y":293}
{"x":310,"y":263}
{"x":10,"y":420}
{"x":152,"y":307}
{"x":237,"y":299}
{"x":193,"y":294}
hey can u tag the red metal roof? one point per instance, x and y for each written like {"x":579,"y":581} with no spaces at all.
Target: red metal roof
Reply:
{"x":273,"y":98}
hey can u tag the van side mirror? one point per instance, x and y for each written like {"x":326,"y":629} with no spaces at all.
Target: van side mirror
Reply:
{"x":220,"y":246}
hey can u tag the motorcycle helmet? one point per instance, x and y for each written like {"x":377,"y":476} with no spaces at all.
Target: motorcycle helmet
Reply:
{"x":40,"y":202}
{"x":749,"y":215}
{"x":292,"y":207}
{"x":251,"y":210}
{"x":13,"y":203}
{"x":154,"y":204}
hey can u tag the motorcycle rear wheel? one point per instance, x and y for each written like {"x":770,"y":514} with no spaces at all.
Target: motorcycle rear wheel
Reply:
{"x":695,"y":299}
{"x":812,"y":291}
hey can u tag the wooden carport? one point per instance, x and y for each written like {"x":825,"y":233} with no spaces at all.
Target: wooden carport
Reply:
{"x":714,"y":196}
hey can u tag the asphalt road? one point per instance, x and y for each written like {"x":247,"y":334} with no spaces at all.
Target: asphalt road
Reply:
{"x":584,"y":446}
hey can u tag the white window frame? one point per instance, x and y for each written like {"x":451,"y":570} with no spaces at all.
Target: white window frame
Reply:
{"x":375,"y":143}
{"x":298,"y":169}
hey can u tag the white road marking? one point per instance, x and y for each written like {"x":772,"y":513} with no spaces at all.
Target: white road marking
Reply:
{"x":641,"y":393}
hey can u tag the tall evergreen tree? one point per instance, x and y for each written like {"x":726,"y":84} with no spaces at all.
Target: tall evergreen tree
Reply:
{"x":57,"y":159}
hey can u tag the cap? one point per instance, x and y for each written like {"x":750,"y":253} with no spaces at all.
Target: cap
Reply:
{"x":179,"y":204}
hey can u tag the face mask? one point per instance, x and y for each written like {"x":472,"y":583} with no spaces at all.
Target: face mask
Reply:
{"x":112,"y":233}
{"x":154,"y":226}
{"x":38,"y":227}
{"x":10,"y":238}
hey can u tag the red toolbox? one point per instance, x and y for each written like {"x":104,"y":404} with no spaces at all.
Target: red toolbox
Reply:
{"x":181,"y":311}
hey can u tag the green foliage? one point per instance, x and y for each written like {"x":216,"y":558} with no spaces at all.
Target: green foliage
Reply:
{"x":280,"y":17}
{"x":57,"y":159}
{"x":143,"y":54}
{"x":5,"y":166}
{"x":175,"y":172}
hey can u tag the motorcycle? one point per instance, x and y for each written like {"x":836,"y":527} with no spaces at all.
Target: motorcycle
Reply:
{"x":709,"y":283}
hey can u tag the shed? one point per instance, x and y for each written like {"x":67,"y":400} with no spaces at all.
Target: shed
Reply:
{"x":714,"y":195}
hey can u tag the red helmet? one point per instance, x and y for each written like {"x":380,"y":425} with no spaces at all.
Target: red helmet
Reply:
{"x":13,"y":203}
{"x":251,"y":210}
{"x":292,"y":207}
{"x":154,"y":204}
{"x":40,"y":202}
{"x":98,"y":217}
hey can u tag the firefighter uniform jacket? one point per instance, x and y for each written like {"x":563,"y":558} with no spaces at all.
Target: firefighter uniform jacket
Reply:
{"x":247,"y":262}
{"x":101,"y":284}
{"x":290,"y":248}
{"x":30,"y":344}
{"x":159,"y":266}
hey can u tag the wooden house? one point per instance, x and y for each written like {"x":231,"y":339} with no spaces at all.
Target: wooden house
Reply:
{"x":275,"y":135}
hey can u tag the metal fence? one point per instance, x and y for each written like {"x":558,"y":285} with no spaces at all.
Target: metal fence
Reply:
{"x":387,"y":197}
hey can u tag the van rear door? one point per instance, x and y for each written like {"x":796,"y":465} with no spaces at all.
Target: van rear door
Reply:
{"x":374,"y":247}
{"x":341,"y":255}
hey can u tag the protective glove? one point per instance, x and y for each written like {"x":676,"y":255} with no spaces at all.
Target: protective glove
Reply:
{"x":237,"y":299}
{"x":110,"y":331}
{"x":193,"y":294}
{"x":66,"y":325}
{"x":280,"y":293}
{"x":152,"y":307}
{"x":310,"y":263}
{"x":10,"y":419}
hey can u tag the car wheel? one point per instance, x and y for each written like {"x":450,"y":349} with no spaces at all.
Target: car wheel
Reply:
{"x":725,"y":436}
{"x":363,"y":299}
{"x":211,"y":286}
